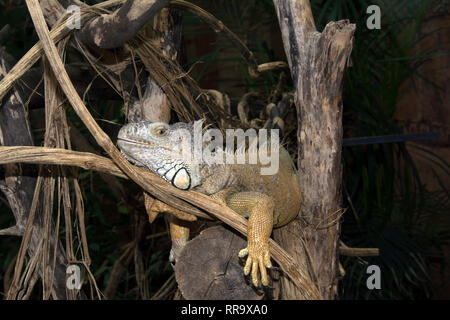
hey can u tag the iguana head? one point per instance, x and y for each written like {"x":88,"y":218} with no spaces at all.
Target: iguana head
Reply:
{"x":164,"y":149}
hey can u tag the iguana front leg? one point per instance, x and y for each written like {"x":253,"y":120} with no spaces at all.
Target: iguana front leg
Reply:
{"x":258,"y":207}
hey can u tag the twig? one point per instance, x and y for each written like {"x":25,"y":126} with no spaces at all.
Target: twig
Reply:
{"x":344,"y":250}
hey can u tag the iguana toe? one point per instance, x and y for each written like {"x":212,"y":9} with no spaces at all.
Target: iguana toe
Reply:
{"x":258,"y":259}
{"x":243,"y":253}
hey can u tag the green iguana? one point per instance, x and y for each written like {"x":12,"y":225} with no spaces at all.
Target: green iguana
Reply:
{"x":266,"y":200}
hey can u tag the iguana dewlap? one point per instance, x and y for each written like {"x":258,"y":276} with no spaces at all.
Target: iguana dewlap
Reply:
{"x":266,"y":200}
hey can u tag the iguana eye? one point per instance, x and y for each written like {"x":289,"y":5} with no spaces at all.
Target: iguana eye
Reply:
{"x":160,"y":130}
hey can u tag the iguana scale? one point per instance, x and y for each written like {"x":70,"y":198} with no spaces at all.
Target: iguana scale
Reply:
{"x":266,"y":200}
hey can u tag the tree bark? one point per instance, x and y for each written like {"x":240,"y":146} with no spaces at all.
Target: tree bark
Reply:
{"x":317,"y":62}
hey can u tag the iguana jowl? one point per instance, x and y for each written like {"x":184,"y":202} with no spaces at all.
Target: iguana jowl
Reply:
{"x":266,"y":200}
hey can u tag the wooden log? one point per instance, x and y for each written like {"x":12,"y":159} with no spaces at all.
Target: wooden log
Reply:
{"x":317,"y":62}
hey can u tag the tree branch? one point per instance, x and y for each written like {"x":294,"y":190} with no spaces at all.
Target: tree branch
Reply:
{"x":56,"y":156}
{"x":113,"y":30}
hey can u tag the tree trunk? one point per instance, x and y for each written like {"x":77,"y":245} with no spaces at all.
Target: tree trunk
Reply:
{"x":317,"y":62}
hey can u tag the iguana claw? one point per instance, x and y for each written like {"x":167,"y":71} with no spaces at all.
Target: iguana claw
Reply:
{"x":258,"y":258}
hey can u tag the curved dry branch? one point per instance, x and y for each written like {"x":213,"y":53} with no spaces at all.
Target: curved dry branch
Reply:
{"x":113,"y":30}
{"x":56,"y":156}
